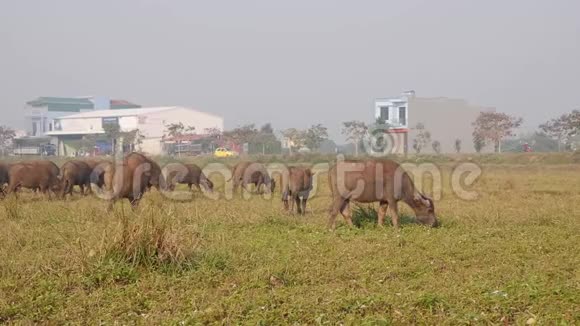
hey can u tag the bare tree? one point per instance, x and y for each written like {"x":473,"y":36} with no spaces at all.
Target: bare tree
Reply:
{"x":354,"y":131}
{"x":495,"y":126}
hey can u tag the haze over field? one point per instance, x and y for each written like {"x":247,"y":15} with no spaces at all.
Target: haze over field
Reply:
{"x":292,"y":63}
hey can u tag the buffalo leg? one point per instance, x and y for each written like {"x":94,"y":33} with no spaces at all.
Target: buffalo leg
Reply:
{"x":345,"y":211}
{"x":291,"y":200}
{"x":394,"y":212}
{"x":285,"y":196}
{"x":304,"y":205}
{"x":297,"y":200}
{"x":383,"y":206}
{"x":46,"y":192}
{"x":89,"y":189}
{"x":337,"y":205}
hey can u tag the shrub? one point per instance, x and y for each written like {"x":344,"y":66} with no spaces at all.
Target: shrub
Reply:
{"x":150,"y":241}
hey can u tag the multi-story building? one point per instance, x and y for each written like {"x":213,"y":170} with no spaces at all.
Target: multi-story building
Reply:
{"x":41,"y":113}
{"x":149,"y":123}
{"x":447,"y":120}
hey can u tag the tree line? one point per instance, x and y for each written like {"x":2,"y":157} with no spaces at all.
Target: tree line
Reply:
{"x":489,"y":128}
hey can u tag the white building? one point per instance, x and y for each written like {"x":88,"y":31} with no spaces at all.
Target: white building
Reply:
{"x":41,"y":112}
{"x":150,"y":122}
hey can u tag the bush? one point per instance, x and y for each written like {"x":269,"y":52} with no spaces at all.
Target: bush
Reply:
{"x":151,"y":242}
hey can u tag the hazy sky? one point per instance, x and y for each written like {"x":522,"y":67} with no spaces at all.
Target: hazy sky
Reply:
{"x":292,"y":63}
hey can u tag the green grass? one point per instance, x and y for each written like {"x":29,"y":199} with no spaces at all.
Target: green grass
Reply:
{"x":510,"y":256}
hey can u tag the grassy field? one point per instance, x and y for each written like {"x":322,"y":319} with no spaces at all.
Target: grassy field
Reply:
{"x":510,"y":257}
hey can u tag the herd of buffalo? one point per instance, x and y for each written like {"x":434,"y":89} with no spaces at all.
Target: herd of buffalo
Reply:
{"x":366,"y":181}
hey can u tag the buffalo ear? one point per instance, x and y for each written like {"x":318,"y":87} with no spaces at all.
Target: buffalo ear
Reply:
{"x":422,"y":200}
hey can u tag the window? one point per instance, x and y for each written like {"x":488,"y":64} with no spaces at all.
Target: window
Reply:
{"x":34,"y":128}
{"x":50,"y":126}
{"x":403,"y":115}
{"x":110,"y":121}
{"x":384,"y":113}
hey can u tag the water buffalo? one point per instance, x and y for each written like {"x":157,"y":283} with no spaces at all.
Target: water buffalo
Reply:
{"x":382,"y":181}
{"x":132,"y":177}
{"x":189,"y":174}
{"x":298,"y":184}
{"x":245,"y":173}
{"x":40,"y":174}
{"x":98,"y":170}
{"x":74,"y":173}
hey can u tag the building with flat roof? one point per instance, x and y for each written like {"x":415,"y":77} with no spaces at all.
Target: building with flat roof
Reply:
{"x":149,"y":123}
{"x":41,"y":112}
{"x":446,"y":119}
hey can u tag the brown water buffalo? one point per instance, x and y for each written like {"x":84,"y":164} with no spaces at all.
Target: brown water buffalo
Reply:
{"x":40,"y":174}
{"x":189,"y":174}
{"x":74,"y":173}
{"x":3,"y":177}
{"x":298,"y":184}
{"x":245,"y":173}
{"x":382,"y":181}
{"x":132,"y":177}
{"x":98,"y":168}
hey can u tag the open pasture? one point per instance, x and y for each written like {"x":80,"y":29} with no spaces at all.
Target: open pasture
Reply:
{"x":509,"y":257}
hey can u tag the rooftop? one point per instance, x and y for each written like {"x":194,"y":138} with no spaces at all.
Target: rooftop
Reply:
{"x":118,"y":113}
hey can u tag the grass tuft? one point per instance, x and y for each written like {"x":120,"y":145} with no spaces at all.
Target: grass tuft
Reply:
{"x":150,"y":241}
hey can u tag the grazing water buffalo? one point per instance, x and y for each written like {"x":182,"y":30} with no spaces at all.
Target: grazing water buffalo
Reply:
{"x":245,"y":173}
{"x":98,"y":170}
{"x":132,"y":177}
{"x":74,"y":173}
{"x":298,"y":184}
{"x":34,"y":175}
{"x":189,"y":174}
{"x":382,"y":181}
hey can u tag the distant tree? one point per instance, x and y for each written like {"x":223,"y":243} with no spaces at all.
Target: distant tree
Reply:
{"x":436,"y":146}
{"x":241,"y":135}
{"x":296,"y":138}
{"x":354,"y":131}
{"x":315,"y":135}
{"x":112,"y":133}
{"x":6,"y":136}
{"x":134,"y":138}
{"x":458,"y":145}
{"x":478,"y":143}
{"x":422,"y":139}
{"x":495,"y":126}
{"x":563,"y":128}
{"x":267,"y":129}
{"x":88,"y":143}
{"x":178,"y":129}
{"x":265,"y":137}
